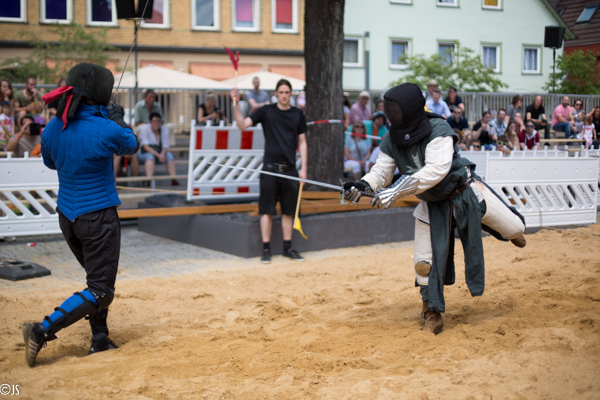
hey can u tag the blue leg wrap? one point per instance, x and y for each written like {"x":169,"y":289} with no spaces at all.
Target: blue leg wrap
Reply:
{"x":70,"y":311}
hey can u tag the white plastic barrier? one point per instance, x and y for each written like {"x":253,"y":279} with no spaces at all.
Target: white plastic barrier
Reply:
{"x":229,"y":146}
{"x":547,"y":189}
{"x":28,"y":204}
{"x":226,"y":137}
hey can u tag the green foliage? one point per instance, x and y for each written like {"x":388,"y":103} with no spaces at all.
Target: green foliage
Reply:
{"x":467,"y":73}
{"x":577,"y":73}
{"x":75,"y":45}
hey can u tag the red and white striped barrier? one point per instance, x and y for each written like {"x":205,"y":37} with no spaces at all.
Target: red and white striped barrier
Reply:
{"x":227,"y":137}
{"x":326,"y":121}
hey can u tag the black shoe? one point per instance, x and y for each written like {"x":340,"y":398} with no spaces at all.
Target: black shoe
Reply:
{"x":102,"y":345}
{"x":266,"y":257}
{"x":293,"y":254}
{"x":35,"y":337}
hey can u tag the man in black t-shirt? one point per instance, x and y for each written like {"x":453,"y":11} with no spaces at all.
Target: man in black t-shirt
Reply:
{"x":537,"y":114}
{"x":285,"y":129}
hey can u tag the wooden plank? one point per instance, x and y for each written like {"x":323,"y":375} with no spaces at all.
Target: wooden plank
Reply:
{"x":320,"y":195}
{"x":145,"y":178}
{"x":561,"y":140}
{"x":194,"y":210}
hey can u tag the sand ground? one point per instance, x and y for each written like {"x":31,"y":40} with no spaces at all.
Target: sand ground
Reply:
{"x":343,"y":325}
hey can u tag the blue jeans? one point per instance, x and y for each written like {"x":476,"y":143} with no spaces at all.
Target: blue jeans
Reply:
{"x":490,"y":147}
{"x":564,"y":127}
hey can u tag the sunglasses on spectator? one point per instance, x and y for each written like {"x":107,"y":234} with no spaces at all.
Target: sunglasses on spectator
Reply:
{"x":531,"y":126}
{"x":476,"y":146}
{"x":502,"y":143}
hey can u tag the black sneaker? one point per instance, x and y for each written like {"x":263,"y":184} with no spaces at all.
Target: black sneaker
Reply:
{"x":293,"y":254}
{"x":102,"y":345}
{"x":35,"y":337}
{"x":266,"y":257}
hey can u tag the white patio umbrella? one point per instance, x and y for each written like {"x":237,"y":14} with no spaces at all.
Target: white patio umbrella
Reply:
{"x":268,"y":80}
{"x":163,"y":78}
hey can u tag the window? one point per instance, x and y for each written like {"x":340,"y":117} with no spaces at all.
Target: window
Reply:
{"x":447,"y":3}
{"x":160,"y":15}
{"x":586,"y":15}
{"x":284,"y":16}
{"x":13,"y":11}
{"x":205,"y":15}
{"x":245,"y":15}
{"x":447,"y":51}
{"x":399,"y":49}
{"x":101,"y":13}
{"x":56,"y":11}
{"x":531,"y":60}
{"x":352,"y":52}
{"x":490,"y":56}
{"x":492,"y":4}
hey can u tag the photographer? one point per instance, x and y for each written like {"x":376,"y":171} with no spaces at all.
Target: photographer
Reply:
{"x":209,"y":111}
{"x":537,"y":114}
{"x":27,"y":138}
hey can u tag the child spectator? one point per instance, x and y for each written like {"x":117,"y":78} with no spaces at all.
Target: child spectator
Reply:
{"x":6,"y":91}
{"x":503,"y":144}
{"x":475,"y":145}
{"x":357,"y":150}
{"x":512,"y":136}
{"x":7,"y":124}
{"x":588,"y":131}
{"x":529,"y":138}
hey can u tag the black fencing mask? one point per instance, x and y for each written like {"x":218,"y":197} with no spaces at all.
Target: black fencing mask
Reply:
{"x":405,"y":108}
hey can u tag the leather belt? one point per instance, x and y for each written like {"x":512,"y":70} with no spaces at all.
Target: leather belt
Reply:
{"x":461,"y":188}
{"x":279,"y":167}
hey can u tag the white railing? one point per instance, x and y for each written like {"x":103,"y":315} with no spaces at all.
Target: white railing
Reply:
{"x":28,"y":197}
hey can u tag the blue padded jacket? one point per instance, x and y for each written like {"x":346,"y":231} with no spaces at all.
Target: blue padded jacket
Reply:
{"x":83,"y":156}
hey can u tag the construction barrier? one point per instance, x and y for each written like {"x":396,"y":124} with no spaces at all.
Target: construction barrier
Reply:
{"x":29,"y":190}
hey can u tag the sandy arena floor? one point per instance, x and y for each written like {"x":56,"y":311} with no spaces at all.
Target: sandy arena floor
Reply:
{"x":343,"y":325}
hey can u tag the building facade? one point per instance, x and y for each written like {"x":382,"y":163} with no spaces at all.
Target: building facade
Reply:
{"x":508,"y":34}
{"x":583,"y":18}
{"x":186,"y":35}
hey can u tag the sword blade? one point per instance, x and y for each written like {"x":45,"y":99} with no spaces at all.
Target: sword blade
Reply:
{"x":293,"y":178}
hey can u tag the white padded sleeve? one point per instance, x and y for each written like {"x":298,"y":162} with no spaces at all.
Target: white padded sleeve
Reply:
{"x":381,"y":173}
{"x":438,"y":159}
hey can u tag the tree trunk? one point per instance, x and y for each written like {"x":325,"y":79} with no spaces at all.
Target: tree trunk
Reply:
{"x":323,"y":55}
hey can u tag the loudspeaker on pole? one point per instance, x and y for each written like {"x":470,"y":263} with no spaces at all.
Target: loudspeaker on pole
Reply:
{"x":126,"y":9}
{"x":553,"y":37}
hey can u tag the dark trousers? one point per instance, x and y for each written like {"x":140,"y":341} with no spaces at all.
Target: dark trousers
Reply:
{"x":95,"y":240}
{"x":539,"y":127}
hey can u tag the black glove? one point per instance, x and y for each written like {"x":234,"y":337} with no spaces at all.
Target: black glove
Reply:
{"x":115,"y":113}
{"x":354,"y":190}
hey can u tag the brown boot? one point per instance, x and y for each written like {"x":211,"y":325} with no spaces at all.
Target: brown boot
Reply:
{"x":432,"y":322}
{"x":519,"y":241}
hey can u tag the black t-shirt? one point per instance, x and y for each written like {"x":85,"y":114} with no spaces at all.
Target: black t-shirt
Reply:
{"x":535,"y":114}
{"x":460,"y":125}
{"x":477,"y":126}
{"x":457,"y":101}
{"x":281,"y":128}
{"x":596,"y":123}
{"x":485,"y":138}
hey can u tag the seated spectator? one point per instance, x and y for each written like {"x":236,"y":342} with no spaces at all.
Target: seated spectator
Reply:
{"x":7,"y":125}
{"x":486,"y":137}
{"x":376,"y":127}
{"x":463,"y":140}
{"x":454,"y":99}
{"x":588,"y":131}
{"x":537,"y":113}
{"x":595,"y":114}
{"x":515,"y":107}
{"x":346,"y":111}
{"x":379,"y":105}
{"x":484,"y":121}
{"x":53,"y":105}
{"x":578,"y":114}
{"x":438,"y":106}
{"x":6,"y":92}
{"x":503,"y":144}
{"x":512,"y":136}
{"x":458,"y":121}
{"x":373,"y":159}
{"x":475,"y":145}
{"x":518,"y":118}
{"x":431,"y":86}
{"x":360,"y":110}
{"x":529,"y":138}
{"x":28,"y":101}
{"x":562,"y":120}
{"x":357,"y":150}
{"x":209,"y":111}
{"x":26,"y":139}
{"x":498,"y":125}
{"x":143,"y":108}
{"x":155,"y":145}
